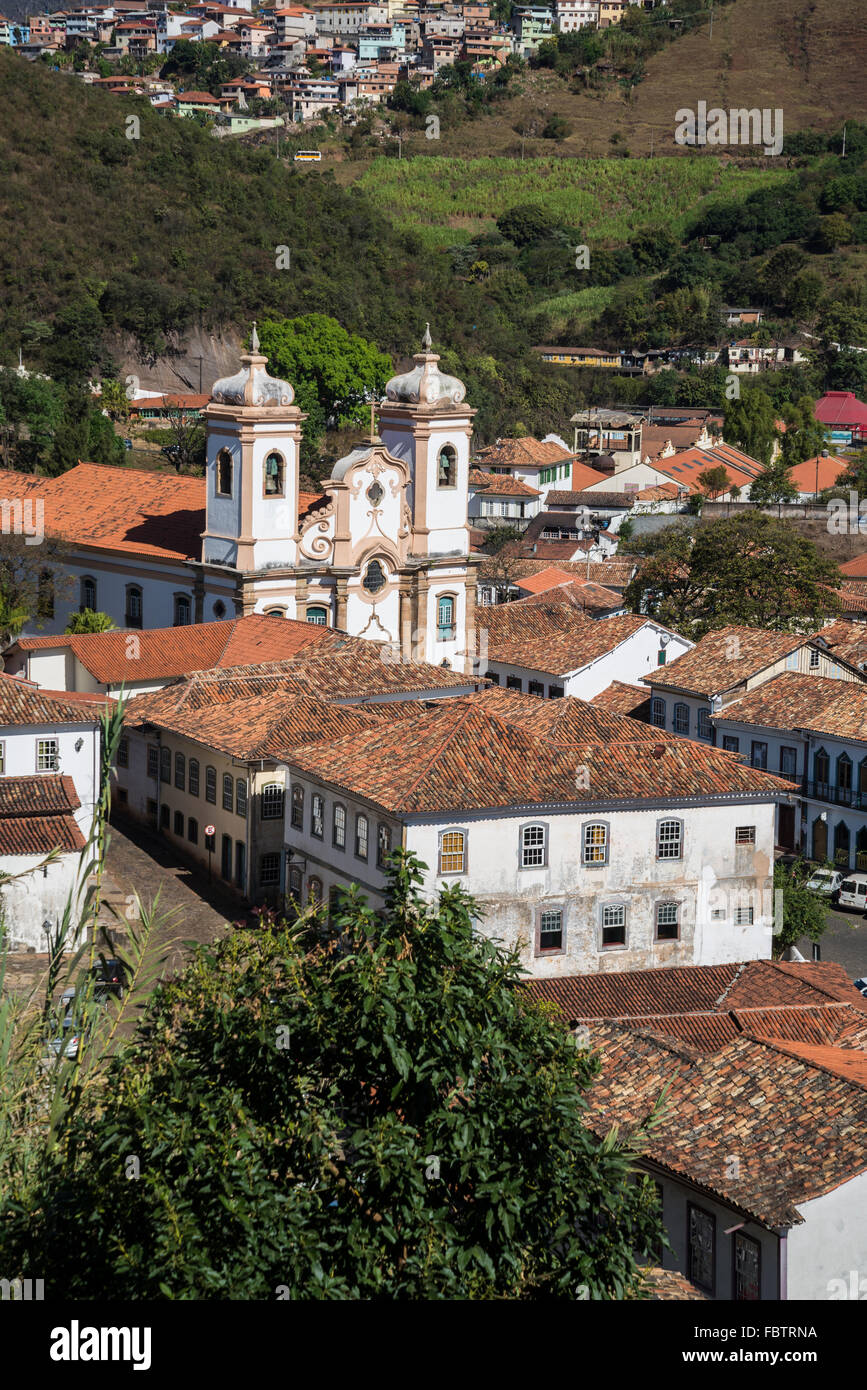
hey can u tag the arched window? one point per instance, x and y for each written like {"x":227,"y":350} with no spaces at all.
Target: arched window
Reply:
{"x":241,"y":797}
{"x":274,"y":475}
{"x":297,"y":807}
{"x":374,"y":577}
{"x":361,"y":832}
{"x":338,"y":826}
{"x":453,"y":852}
{"x":180,"y":771}
{"x":182,"y":610}
{"x":193,"y":786}
{"x":314,"y":891}
{"x":820,"y":840}
{"x":445,"y":618}
{"x":193,"y":831}
{"x":88,"y":594}
{"x":225,"y":469}
{"x":681,"y":719}
{"x":841,"y":844}
{"x":534,"y":846}
{"x":844,"y":777}
{"x":133,"y":606}
{"x":705,"y":728}
{"x":211,"y":784}
{"x":317,"y":614}
{"x":219,"y":609}
{"x":228,"y":792}
{"x":821,"y":771}
{"x":657,"y":712}
{"x":275,"y":612}
{"x":669,"y":839}
{"x":272,"y":801}
{"x":595,"y":845}
{"x":447,"y":466}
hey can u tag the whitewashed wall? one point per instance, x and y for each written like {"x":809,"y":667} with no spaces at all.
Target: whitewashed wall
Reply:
{"x":831,"y":1243}
{"x":40,"y":897}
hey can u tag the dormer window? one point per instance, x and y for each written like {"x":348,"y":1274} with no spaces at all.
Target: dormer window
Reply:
{"x":224,"y":473}
{"x":447,"y":467}
{"x":274,"y":470}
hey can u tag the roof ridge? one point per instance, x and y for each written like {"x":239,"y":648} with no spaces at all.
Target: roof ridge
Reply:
{"x":786,"y":1046}
{"x":731,"y":984}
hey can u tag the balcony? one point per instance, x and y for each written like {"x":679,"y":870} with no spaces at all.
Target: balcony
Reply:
{"x":836,"y":796}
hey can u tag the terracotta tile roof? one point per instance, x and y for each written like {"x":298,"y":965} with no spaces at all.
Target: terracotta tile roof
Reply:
{"x":164,"y":652}
{"x":545,"y":579}
{"x":853,"y":598}
{"x":584,"y":477}
{"x":841,"y":408}
{"x":684,"y":990}
{"x":655,"y":438}
{"x":850,"y":1064}
{"x":258,"y":726}
{"x":163,"y":401}
{"x":817,"y":473}
{"x":846,"y":639}
{"x":24,"y":703}
{"x":659,"y":492}
{"x":563,"y":723}
{"x":856,"y":568}
{"x":685,"y":466}
{"x":128,"y":509}
{"x":796,"y":1126}
{"x":585,"y":597}
{"x":459,"y":757}
{"x":36,"y":815}
{"x":501,"y":484}
{"x":723,"y":659}
{"x":522,"y":453}
{"x":794,"y":701}
{"x":614,"y":573}
{"x":669,"y":1285}
{"x":553,"y":637}
{"x":620,"y":698}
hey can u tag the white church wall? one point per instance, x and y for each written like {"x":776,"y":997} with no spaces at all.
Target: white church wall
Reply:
{"x":38,"y":897}
{"x":81,"y":764}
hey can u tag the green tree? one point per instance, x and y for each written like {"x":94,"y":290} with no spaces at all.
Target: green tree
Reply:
{"x":773,"y":485}
{"x":368,"y":1109}
{"x":803,"y":436}
{"x":714,"y":481}
{"x":804,"y":916}
{"x":750,"y":424}
{"x":334,"y":373}
{"x":88,"y":621}
{"x":751,"y":570}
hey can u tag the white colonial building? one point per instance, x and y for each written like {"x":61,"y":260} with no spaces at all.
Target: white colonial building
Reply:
{"x":587,"y":843}
{"x":382,"y":552}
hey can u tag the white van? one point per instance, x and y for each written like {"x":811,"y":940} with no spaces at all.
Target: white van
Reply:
{"x":853,"y":893}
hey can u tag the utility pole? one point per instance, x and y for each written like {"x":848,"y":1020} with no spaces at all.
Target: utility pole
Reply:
{"x":843,"y":151}
{"x":710,"y":35}
{"x":651,"y":142}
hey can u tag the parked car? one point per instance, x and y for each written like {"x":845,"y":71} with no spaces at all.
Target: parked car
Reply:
{"x":827,"y":882}
{"x":109,"y":977}
{"x":853,"y":893}
{"x":64,"y":1037}
{"x":861,"y":986}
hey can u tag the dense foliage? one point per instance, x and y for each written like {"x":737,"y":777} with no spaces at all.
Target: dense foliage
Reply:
{"x":745,"y":571}
{"x":379,"y":1112}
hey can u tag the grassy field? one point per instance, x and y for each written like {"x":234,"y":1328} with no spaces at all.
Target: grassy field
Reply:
{"x":448,"y":200}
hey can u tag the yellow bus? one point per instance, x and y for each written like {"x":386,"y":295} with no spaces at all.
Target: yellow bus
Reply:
{"x":308,"y":156}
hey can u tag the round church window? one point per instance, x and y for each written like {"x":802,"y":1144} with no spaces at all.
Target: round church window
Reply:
{"x":374,"y":577}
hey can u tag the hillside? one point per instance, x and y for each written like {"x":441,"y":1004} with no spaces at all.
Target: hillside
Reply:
{"x":803,"y":56}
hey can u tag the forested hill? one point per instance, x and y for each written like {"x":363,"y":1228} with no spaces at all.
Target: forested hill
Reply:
{"x":156,"y":234}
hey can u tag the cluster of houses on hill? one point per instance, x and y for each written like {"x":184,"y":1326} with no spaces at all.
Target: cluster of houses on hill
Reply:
{"x":309,"y":683}
{"x":315,"y":59}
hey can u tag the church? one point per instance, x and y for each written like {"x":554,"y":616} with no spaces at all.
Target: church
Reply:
{"x":382,"y":552}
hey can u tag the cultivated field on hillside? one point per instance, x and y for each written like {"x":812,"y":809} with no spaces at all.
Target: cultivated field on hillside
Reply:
{"x":450,"y":200}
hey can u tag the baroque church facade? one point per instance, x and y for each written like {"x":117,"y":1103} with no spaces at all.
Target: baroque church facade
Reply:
{"x":381,"y":552}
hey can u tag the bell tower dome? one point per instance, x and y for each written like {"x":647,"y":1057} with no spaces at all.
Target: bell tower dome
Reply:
{"x":424,"y":421}
{"x":253,"y":436}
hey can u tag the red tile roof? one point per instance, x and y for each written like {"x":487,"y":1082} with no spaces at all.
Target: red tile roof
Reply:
{"x":522,"y":453}
{"x":501,"y":484}
{"x":796,"y":1126}
{"x":21,"y":702}
{"x":620,"y":698}
{"x":459,"y":757}
{"x":846,"y":639}
{"x":165,"y":652}
{"x":841,"y":408}
{"x":547,"y":578}
{"x":685,"y":467}
{"x":580,"y":594}
{"x":724,"y":659}
{"x":856,"y":568}
{"x":552,"y":637}
{"x":795,"y":701}
{"x":614,"y":573}
{"x":36,"y":815}
{"x":817,"y":473}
